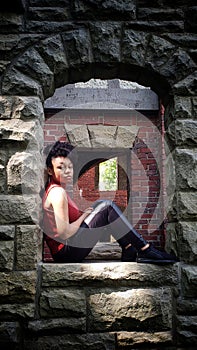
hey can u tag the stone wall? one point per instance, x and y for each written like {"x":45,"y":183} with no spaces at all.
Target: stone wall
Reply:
{"x":45,"y":44}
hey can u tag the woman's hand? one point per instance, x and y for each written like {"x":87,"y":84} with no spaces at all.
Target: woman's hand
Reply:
{"x":87,"y":211}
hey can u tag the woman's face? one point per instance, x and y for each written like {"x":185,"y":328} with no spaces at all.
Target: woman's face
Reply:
{"x":62,"y":171}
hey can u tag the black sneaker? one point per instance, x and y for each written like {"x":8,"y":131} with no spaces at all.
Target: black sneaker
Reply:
{"x":153,"y":256}
{"x":129,"y":254}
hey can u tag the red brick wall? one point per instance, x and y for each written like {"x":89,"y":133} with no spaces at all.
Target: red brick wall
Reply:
{"x":146,"y":181}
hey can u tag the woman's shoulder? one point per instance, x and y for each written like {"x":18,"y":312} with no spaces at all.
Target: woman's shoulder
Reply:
{"x":56,"y":192}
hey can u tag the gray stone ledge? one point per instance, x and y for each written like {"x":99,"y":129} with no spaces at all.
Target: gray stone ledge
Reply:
{"x":108,"y":273}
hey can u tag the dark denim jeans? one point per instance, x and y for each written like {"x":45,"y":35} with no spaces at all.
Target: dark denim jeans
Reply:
{"x":106,"y":217}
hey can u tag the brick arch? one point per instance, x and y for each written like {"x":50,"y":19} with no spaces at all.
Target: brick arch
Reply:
{"x":107,"y":53}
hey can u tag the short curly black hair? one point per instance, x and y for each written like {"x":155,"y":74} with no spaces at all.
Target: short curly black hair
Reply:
{"x":59,"y":149}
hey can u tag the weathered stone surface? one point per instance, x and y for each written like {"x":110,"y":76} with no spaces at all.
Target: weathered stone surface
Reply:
{"x":68,"y":324}
{"x":157,"y":26}
{"x":2,"y":179}
{"x":108,"y":273}
{"x":158,"y":52}
{"x":17,"y":83}
{"x":178,"y":66}
{"x":186,"y":132}
{"x":16,"y":311}
{"x":29,"y":132}
{"x":62,"y":303}
{"x":77,"y":135}
{"x":126,"y":136}
{"x":48,"y":14}
{"x":27,"y":256}
{"x":12,"y":21}
{"x":187,"y":239}
{"x":116,"y":310}
{"x":186,"y":205}
{"x":186,"y":306}
{"x":99,"y":10}
{"x":32,"y":63}
{"x":7,"y":232}
{"x":187,"y":86}
{"x":128,"y":340}
{"x":18,"y":287}
{"x":21,"y":108}
{"x":106,"y":41}
{"x":6,"y":255}
{"x":189,"y":281}
{"x":102,"y":136}
{"x":104,"y":251}
{"x":180,"y":107}
{"x":186,"y":169}
{"x":78,"y":46}
{"x":100,"y":341}
{"x":194,"y":107}
{"x":10,"y":332}
{"x":24,"y":173}
{"x":134,"y":47}
{"x":52,"y":50}
{"x":19,"y":209}
{"x":158,"y":14}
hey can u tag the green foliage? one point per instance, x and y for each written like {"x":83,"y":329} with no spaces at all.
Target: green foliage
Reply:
{"x":108,"y":175}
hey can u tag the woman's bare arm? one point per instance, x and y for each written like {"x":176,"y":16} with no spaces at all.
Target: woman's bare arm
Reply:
{"x":58,"y":199}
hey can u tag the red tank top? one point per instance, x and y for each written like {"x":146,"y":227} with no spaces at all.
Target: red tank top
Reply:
{"x":49,"y":224}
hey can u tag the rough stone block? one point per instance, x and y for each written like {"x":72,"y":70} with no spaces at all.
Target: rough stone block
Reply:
{"x":51,"y":49}
{"x":32,"y":64}
{"x":129,"y":309}
{"x":97,"y":341}
{"x":106,"y":41}
{"x":187,"y":86}
{"x":126,"y":136}
{"x":108,"y":274}
{"x":29,"y":132}
{"x":189,"y":281}
{"x":28,"y":247}
{"x":17,"y":287}
{"x":16,"y":107}
{"x":23,"y":311}
{"x":78,"y":46}
{"x":183,"y":132}
{"x":7,"y":232}
{"x":101,"y":136}
{"x":48,"y":14}
{"x":12,"y":21}
{"x":186,"y":169}
{"x":187,"y":241}
{"x":128,"y":340}
{"x":105,"y":251}
{"x":6,"y":255}
{"x":182,"y":107}
{"x":77,"y":135}
{"x":25,"y":173}
{"x":102,"y":10}
{"x":186,"y":205}
{"x":17,"y":83}
{"x":19,"y":209}
{"x":67,"y":302}
{"x":134,"y":46}
{"x":67,"y":324}
{"x":194,"y":107}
